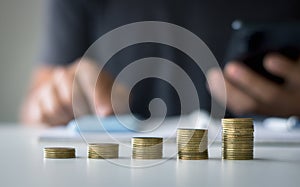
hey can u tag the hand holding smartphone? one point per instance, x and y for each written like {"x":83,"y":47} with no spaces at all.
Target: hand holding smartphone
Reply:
{"x":251,"y":42}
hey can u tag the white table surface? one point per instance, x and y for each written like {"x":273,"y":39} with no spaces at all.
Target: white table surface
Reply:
{"x":22,"y":164}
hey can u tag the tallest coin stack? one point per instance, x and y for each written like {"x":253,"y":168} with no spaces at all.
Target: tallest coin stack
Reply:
{"x":237,"y":139}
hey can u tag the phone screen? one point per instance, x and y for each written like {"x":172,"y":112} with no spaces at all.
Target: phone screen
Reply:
{"x":250,"y":43}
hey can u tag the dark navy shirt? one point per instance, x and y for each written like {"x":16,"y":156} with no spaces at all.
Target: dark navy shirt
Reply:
{"x":73,"y":25}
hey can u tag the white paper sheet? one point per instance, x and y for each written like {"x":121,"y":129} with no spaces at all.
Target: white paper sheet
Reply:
{"x":167,"y":130}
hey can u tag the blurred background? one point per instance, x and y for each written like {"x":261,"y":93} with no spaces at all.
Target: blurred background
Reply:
{"x":20,"y":33}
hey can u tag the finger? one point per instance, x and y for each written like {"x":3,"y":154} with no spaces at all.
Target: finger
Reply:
{"x":237,"y":100}
{"x":251,"y":83}
{"x":63,"y":81}
{"x":51,"y":107}
{"x":34,"y":115}
{"x":103,"y":94}
{"x":96,"y":89}
{"x":283,"y":67}
{"x":80,"y":104}
{"x":216,"y":85}
{"x":120,"y":96}
{"x":240,"y":103}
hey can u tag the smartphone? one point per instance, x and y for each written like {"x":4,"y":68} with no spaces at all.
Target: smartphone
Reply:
{"x":251,"y":42}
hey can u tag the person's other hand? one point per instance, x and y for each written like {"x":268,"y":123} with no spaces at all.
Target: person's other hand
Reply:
{"x":249,"y":93}
{"x":60,"y":92}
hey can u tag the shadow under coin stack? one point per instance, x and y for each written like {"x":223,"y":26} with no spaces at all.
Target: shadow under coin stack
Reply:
{"x":192,"y":144}
{"x":147,"y":148}
{"x":237,"y":139}
{"x":59,"y":152}
{"x":103,"y":150}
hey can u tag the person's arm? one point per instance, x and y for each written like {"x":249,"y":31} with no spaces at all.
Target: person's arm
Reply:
{"x":65,"y":39}
{"x":60,"y":90}
{"x":249,"y":93}
{"x":59,"y":93}
{"x":49,"y":98}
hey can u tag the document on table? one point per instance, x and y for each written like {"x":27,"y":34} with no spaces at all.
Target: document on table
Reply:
{"x":123,"y":128}
{"x":112,"y":129}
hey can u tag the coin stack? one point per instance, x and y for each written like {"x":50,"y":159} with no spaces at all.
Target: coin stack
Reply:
{"x":103,"y":150}
{"x":192,"y":144}
{"x":237,"y":140}
{"x":59,"y":152}
{"x":147,"y":147}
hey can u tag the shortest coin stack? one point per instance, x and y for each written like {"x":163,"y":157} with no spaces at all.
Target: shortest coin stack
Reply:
{"x":147,"y":147}
{"x":59,"y":152}
{"x":237,"y":140}
{"x":192,"y":144}
{"x":103,"y":150}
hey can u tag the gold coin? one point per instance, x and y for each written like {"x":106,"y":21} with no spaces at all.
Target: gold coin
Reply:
{"x":59,"y":149}
{"x":192,"y":144}
{"x":103,"y":150}
{"x":59,"y":152}
{"x":237,"y":120}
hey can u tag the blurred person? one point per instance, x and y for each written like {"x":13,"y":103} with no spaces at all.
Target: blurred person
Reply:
{"x":71,"y":26}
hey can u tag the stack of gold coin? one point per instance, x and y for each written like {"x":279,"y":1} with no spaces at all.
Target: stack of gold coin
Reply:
{"x":147,"y":147}
{"x":103,"y":150}
{"x":59,"y":152}
{"x":192,"y":144}
{"x":237,"y":140}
